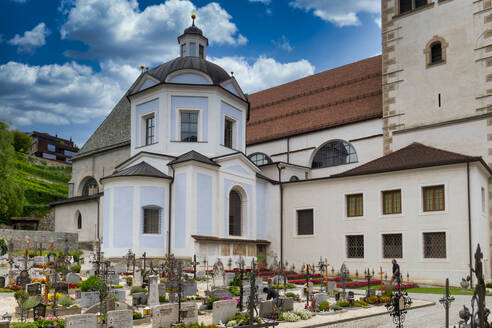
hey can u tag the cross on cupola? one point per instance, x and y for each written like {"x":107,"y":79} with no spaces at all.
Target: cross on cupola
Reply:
{"x":192,"y":43}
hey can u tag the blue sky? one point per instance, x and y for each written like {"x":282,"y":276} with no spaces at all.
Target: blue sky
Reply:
{"x":65,"y":63}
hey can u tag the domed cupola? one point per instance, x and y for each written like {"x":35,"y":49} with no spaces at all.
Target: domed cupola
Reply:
{"x":192,"y":43}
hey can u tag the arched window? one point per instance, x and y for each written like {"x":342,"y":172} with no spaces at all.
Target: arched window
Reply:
{"x":294,"y":178}
{"x":90,"y":187}
{"x":234,"y":213}
{"x":334,"y":153}
{"x":260,"y":159}
{"x":79,"y":221}
{"x":436,"y":52}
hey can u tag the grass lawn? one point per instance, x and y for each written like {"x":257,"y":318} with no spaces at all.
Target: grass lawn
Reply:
{"x":442,"y":291}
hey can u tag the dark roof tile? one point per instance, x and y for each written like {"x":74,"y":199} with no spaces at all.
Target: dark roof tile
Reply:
{"x":141,"y":169}
{"x":193,"y":156}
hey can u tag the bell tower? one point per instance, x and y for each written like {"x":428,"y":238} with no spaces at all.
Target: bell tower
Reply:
{"x":192,"y":43}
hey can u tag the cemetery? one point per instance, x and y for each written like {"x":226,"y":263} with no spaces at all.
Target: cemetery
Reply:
{"x":41,"y":288}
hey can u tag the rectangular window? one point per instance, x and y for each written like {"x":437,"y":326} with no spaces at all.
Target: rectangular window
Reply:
{"x":305,"y":224}
{"x":355,"y":246}
{"x":183,"y":50}
{"x":355,"y":206}
{"x":435,"y":245}
{"x":149,"y":130}
{"x":225,"y":250}
{"x":392,"y":246}
{"x":201,"y":50}
{"x":151,"y":220}
{"x":189,"y":126}
{"x":392,"y":202}
{"x":228,"y":133}
{"x":483,"y":200}
{"x":51,"y":148}
{"x":409,"y":5}
{"x":433,"y":198}
{"x":192,"y":49}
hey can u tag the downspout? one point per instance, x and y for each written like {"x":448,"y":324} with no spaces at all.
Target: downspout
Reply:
{"x":281,"y":216}
{"x":288,"y":149}
{"x":169,"y":216}
{"x":469,"y":223}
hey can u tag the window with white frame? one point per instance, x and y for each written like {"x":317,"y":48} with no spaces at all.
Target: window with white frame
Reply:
{"x":434,"y":245}
{"x":305,"y":222}
{"x":150,"y":130}
{"x":193,"y":49}
{"x":433,"y":198}
{"x":355,"y":246}
{"x":229,"y":132}
{"x":151,"y":220}
{"x":355,"y":205}
{"x":189,"y":126}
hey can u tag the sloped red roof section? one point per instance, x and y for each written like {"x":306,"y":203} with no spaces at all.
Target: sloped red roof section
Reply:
{"x":413,"y":156}
{"x":343,"y":95}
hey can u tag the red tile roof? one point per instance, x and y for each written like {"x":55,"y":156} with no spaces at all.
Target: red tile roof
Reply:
{"x":413,"y":156}
{"x":343,"y":95}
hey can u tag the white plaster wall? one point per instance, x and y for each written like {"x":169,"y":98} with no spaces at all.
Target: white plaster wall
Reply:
{"x":464,"y":138}
{"x":66,"y":220}
{"x":213,"y":145}
{"x":327,"y":198}
{"x":136,"y":183}
{"x":356,"y":134}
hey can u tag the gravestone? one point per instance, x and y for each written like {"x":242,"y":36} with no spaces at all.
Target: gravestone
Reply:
{"x":165,"y":315}
{"x":137,"y":278}
{"x":119,"y":268}
{"x":60,"y":287}
{"x":72,"y":278}
{"x":108,"y":305}
{"x":189,"y":313}
{"x":201,"y":274}
{"x":286,"y":303}
{"x":139,"y":299}
{"x":39,"y":311}
{"x":153,"y":299}
{"x":2,"y":282}
{"x":223,"y":310}
{"x":331,"y":287}
{"x":120,"y":294}
{"x":222,"y":293}
{"x":88,"y":299}
{"x":229,"y":277}
{"x":4,"y":324}
{"x":371,"y":292}
{"x":162,"y":289}
{"x":189,"y":288}
{"x":23,"y":278}
{"x":113,"y":278}
{"x":38,"y":260}
{"x":218,"y":276}
{"x":266,"y":309}
{"x":81,"y":321}
{"x":33,"y":289}
{"x":119,"y":319}
{"x":320,"y":298}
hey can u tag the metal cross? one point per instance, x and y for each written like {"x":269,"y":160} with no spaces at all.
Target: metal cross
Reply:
{"x":446,"y":302}
{"x":368,"y":277}
{"x":398,"y":306}
{"x":194,"y":264}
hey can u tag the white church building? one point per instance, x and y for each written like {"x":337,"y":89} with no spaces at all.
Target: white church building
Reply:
{"x":388,"y":157}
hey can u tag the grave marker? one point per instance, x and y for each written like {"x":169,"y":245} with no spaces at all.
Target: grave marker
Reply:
{"x":119,"y":319}
{"x":223,"y":310}
{"x":81,"y":321}
{"x":164,"y":315}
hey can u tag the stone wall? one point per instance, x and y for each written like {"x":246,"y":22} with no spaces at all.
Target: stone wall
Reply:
{"x":48,"y":222}
{"x":60,"y":239}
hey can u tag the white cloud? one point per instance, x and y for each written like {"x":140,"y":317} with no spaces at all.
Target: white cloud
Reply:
{"x":283,"y":44}
{"x":264,"y":72}
{"x":118,"y":29}
{"x":339,"y":12}
{"x":377,"y":20}
{"x":59,"y":94}
{"x":31,"y":39}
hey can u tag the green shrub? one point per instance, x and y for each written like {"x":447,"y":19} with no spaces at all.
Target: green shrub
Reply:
{"x":163,"y":299}
{"x":234,"y":291}
{"x":137,"y":289}
{"x":211,"y":300}
{"x":93,"y":284}
{"x":58,"y":323}
{"x":137,"y":315}
{"x":343,"y":304}
{"x":76,"y":268}
{"x":488,"y":285}
{"x":324,"y":306}
{"x":236,"y":281}
{"x":31,"y":302}
{"x":360,"y":303}
{"x":335,"y":307}
{"x":23,"y":325}
{"x":21,"y":296}
{"x":292,"y":295}
{"x":65,"y":301}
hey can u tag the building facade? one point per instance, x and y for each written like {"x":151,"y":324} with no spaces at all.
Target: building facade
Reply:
{"x":380,"y":159}
{"x":52,"y":147}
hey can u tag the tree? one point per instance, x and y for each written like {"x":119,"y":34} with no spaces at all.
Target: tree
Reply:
{"x":22,"y":142}
{"x":11,"y":194}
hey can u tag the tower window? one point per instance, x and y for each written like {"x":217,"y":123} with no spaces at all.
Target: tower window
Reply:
{"x":201,"y":51}
{"x":189,"y":126}
{"x":192,"y":48}
{"x":409,"y":5}
{"x":228,"y":133}
{"x":183,"y":50}
{"x":149,"y":130}
{"x":436,"y":53}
